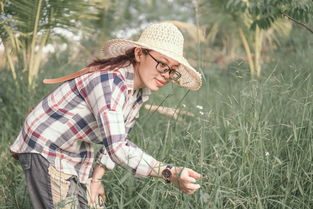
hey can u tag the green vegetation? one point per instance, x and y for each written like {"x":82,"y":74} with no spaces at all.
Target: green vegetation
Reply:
{"x":251,"y":139}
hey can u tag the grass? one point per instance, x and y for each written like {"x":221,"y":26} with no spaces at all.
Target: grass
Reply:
{"x":251,"y":141}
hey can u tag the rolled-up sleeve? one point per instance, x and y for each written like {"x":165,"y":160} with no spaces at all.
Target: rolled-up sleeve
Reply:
{"x":120,"y":149}
{"x":104,"y":159}
{"x":107,"y":102}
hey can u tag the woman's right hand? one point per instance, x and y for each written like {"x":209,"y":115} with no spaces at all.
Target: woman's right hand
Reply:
{"x":185,"y":179}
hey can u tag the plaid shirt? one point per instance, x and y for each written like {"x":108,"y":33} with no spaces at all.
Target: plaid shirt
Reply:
{"x":99,"y":107}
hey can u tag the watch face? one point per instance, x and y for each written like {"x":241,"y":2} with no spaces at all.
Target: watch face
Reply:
{"x":166,"y":173}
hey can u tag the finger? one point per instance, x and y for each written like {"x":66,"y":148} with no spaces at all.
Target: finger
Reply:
{"x":93,"y":194}
{"x":92,"y":200}
{"x":92,"y":197}
{"x":188,"y":179}
{"x":192,"y":186}
{"x":100,"y":193}
{"x":194,"y":174}
{"x":192,"y":191}
{"x":189,"y":191}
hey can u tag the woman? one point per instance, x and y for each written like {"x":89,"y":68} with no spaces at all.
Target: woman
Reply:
{"x":99,"y":105}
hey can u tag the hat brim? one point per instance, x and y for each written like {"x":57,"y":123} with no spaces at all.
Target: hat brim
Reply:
{"x":190,"y":78}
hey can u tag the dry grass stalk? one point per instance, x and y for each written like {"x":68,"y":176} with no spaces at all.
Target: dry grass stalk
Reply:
{"x":168,"y":111}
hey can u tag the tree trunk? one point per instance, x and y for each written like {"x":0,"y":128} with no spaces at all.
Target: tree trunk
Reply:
{"x":258,"y":48}
{"x":32,"y":59}
{"x":248,"y":52}
{"x":10,"y":62}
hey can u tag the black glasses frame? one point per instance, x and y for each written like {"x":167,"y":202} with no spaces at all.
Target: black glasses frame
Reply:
{"x":174,"y":74}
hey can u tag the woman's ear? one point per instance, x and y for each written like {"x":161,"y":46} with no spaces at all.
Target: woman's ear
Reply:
{"x":138,"y":54}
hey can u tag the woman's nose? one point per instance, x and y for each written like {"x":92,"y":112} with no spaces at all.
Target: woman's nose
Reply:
{"x":166,"y":75}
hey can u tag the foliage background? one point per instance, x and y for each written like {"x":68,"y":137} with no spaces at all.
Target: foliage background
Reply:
{"x":251,"y":137}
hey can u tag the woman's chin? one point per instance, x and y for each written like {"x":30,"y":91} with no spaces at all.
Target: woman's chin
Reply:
{"x":153,"y":87}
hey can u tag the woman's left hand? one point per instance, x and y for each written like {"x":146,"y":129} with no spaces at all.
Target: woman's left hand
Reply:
{"x":96,"y":190}
{"x":95,"y":187}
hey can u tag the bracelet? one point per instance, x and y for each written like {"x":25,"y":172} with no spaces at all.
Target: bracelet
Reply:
{"x":98,"y":162}
{"x":95,"y":181}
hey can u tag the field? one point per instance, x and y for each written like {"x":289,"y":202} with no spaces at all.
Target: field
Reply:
{"x":250,"y":139}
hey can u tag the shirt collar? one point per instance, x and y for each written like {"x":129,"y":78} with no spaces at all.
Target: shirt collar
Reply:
{"x":128,"y":74}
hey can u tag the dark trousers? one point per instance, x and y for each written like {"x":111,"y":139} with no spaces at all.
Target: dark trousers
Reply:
{"x":49,"y":188}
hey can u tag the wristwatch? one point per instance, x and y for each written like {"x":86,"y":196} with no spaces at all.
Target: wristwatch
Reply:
{"x":166,"y":173}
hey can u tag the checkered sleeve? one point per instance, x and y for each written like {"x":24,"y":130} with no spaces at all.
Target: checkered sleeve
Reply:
{"x":107,"y":99}
{"x":104,"y":159}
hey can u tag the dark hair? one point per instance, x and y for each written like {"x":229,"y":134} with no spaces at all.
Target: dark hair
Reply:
{"x":116,"y":62}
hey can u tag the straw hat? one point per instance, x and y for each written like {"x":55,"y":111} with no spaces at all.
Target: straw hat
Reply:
{"x":166,"y":39}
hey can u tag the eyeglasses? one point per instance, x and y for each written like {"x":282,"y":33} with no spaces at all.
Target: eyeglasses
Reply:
{"x":164,"y":68}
